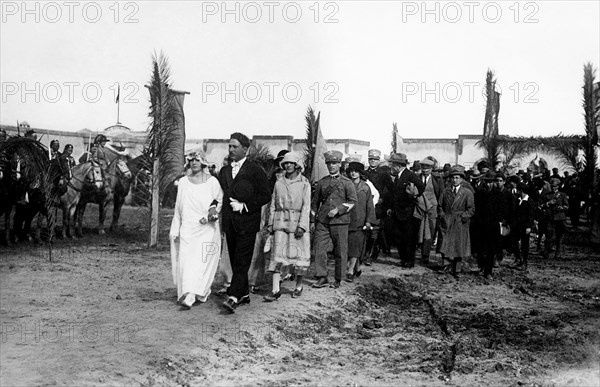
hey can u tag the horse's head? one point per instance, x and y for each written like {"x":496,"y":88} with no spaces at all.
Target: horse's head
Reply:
{"x":94,"y":176}
{"x":123,"y":169}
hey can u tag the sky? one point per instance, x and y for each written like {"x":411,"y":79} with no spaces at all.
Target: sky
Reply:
{"x":255,"y":67}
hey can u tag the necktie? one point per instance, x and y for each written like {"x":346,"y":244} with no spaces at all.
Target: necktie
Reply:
{"x":235,"y":167}
{"x":455,"y":190}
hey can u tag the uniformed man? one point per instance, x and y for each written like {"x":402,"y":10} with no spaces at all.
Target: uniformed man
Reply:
{"x":332,"y":201}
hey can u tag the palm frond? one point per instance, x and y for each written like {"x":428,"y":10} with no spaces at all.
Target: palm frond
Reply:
{"x":590,"y":112}
{"x":490,"y":142}
{"x":262,"y":155}
{"x":165,"y":136}
{"x":312,"y":125}
{"x":394,"y":142}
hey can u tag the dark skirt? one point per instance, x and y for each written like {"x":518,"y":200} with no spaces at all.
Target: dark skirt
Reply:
{"x":356,"y":243}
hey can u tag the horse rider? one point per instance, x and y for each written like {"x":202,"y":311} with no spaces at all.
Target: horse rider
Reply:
{"x":54,"y":147}
{"x":100,"y":153}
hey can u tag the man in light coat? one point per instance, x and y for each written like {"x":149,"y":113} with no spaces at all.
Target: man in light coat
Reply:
{"x":457,"y":208}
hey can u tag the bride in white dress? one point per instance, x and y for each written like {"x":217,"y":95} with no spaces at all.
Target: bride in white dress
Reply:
{"x":195,"y":234}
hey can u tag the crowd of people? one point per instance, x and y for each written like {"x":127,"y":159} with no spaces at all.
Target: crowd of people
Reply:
{"x":276,"y":224}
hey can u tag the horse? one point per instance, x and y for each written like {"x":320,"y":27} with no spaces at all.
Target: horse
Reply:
{"x":85,"y":178}
{"x":117,"y":179}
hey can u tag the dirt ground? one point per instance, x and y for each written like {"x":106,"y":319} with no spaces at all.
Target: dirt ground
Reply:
{"x":103,"y":312}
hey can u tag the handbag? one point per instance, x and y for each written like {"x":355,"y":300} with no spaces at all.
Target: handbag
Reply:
{"x":504,"y":229}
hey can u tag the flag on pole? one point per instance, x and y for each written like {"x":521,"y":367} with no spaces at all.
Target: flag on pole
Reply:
{"x":118,"y":93}
{"x":319,"y":168}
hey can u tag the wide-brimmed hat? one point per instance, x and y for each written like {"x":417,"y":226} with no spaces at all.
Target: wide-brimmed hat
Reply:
{"x":398,"y":158}
{"x":333,"y":156}
{"x":100,"y":138}
{"x":457,"y":170}
{"x":416,"y":166}
{"x":292,"y":157}
{"x":489,"y":176}
{"x":280,"y":155}
{"x":355,"y":166}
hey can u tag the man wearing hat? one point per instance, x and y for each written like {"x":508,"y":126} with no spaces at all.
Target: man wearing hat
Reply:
{"x":99,"y":152}
{"x":430,"y":200}
{"x":456,"y":209}
{"x":382,"y":180}
{"x":407,"y":187}
{"x":332,"y":201}
{"x":490,"y":214}
{"x":245,"y":190}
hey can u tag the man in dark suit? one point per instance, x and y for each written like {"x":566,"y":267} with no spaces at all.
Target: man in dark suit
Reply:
{"x":407,"y":188}
{"x":245,"y":191}
{"x":382,"y":180}
{"x":524,"y":214}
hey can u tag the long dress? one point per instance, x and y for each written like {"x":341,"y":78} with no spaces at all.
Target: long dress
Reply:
{"x":195,"y":255}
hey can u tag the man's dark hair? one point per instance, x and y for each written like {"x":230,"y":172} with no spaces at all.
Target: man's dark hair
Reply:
{"x":242,"y":138}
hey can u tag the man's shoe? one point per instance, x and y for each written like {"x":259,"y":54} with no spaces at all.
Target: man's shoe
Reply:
{"x":321,"y":283}
{"x":368,"y":262}
{"x":272,"y":297}
{"x":335,"y":285}
{"x":230,"y":305}
{"x":349,"y":277}
{"x":297,"y":292}
{"x":358,"y":273}
{"x":244,"y":300}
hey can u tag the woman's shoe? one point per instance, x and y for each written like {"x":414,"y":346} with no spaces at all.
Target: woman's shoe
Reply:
{"x":188,"y":301}
{"x":254,"y":289}
{"x":272,"y":297}
{"x":349,"y":277}
{"x":297,"y":292}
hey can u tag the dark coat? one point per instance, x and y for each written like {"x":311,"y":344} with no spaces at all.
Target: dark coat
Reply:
{"x":524,"y":215}
{"x":491,"y":211}
{"x":363,"y":211}
{"x":251,"y":187}
{"x":382,"y":180}
{"x":403,"y":205}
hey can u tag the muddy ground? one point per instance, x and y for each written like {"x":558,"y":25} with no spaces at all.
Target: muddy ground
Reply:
{"x":103,"y":312}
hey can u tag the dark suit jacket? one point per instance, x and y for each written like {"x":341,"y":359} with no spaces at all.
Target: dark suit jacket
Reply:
{"x":251,"y":187}
{"x":524,"y":214}
{"x":403,"y":205}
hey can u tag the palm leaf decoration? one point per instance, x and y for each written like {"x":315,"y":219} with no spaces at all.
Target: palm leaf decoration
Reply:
{"x":262,"y":155}
{"x":564,"y":148}
{"x":165,"y":138}
{"x":394,"y":138}
{"x":490,"y":142}
{"x":312,"y":125}
{"x":34,"y":168}
{"x":591,"y":107}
